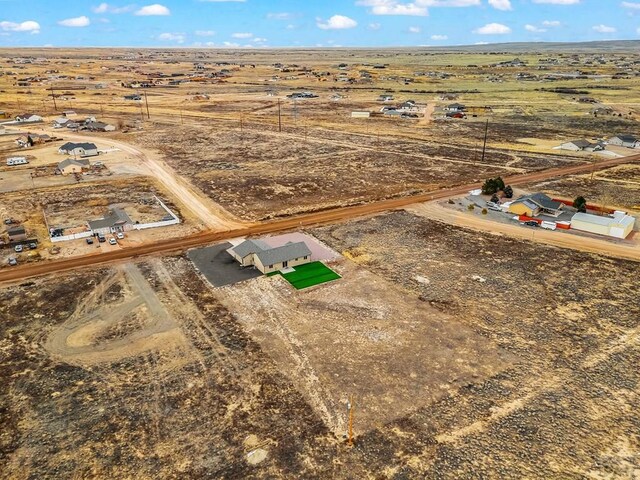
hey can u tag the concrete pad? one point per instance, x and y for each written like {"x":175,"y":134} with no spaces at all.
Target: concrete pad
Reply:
{"x":220,"y":268}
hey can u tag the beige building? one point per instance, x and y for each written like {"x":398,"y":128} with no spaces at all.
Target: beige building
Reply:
{"x":269,"y":259}
{"x":618,"y":225}
{"x":70,"y":165}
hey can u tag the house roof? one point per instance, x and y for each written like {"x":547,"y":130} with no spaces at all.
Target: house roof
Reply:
{"x":72,"y":146}
{"x":72,"y":161}
{"x":284,"y":253}
{"x":582,"y":143}
{"x":114,"y":217}
{"x":19,"y":230}
{"x":627,"y":138}
{"x":248,"y":247}
{"x":603,"y":221}
{"x":541,"y":200}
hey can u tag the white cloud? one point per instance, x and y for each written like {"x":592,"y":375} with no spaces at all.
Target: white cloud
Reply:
{"x":551,"y":23}
{"x":259,"y":40}
{"x":230,"y":44}
{"x":604,"y":29}
{"x":280,"y":16}
{"x":414,"y":29}
{"x":242,"y":35}
{"x":374,"y":26}
{"x":439,"y":37}
{"x":449,"y":3}
{"x":107,"y":8}
{"x":75,"y":22}
{"x":205,"y":33}
{"x":394,"y":7}
{"x":493,"y":29}
{"x":222,"y":1}
{"x":172,"y":37}
{"x":558,"y":2}
{"x":500,"y":4}
{"x":152,"y":10}
{"x":27,"y":26}
{"x":337,"y":22}
{"x":534,"y":29}
{"x":632,"y":5}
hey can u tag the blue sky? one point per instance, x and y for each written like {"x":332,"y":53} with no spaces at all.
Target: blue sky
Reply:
{"x":284,"y":23}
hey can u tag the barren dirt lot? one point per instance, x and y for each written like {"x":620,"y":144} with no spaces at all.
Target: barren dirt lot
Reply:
{"x":618,"y":186}
{"x":258,"y":174}
{"x":140,"y":370}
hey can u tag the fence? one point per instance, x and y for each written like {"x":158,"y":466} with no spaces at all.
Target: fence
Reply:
{"x":73,"y":236}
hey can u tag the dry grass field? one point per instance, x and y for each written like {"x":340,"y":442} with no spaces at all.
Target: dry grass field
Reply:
{"x":468,"y":354}
{"x":506,"y":359}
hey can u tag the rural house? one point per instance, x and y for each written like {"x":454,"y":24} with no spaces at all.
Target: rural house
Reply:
{"x":580,"y":145}
{"x":71,"y":165}
{"x":618,"y":225}
{"x":28,"y":118}
{"x":455,"y":107}
{"x":115,"y":220}
{"x":79,"y":149}
{"x":268,"y":259}
{"x":31,"y":139}
{"x":534,"y":205}
{"x":629,"y":141}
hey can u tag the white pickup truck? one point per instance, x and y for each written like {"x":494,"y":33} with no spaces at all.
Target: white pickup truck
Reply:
{"x":548,"y":225}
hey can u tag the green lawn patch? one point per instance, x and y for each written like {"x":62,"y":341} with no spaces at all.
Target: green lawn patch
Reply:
{"x":310,"y":274}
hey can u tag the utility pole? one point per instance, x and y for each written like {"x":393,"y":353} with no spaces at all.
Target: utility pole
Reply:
{"x":279,"y":117}
{"x":350,"y":429}
{"x":484,"y":146}
{"x":55,"y":107}
{"x":147,"y":103}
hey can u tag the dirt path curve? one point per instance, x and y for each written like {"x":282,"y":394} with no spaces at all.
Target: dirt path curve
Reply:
{"x":559,"y":239}
{"x":325,"y":217}
{"x":428,"y":113}
{"x":211,"y":214}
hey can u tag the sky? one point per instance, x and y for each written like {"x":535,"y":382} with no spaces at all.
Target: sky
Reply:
{"x":312,"y":23}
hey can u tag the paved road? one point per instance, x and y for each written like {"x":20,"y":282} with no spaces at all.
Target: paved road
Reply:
{"x":324,"y":217}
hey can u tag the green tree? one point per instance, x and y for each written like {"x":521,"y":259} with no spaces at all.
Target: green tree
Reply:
{"x":508,"y":191}
{"x":499,"y":183}
{"x":489,"y":187}
{"x":580,"y":204}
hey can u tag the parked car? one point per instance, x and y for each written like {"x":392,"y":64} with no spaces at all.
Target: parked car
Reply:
{"x":549,"y":225}
{"x":12,"y":261}
{"x":120,"y":235}
{"x":101,"y":238}
{"x":18,"y":248}
{"x":494,"y":206}
{"x":33,"y":246}
{"x":113,"y":241}
{"x":8,"y":221}
{"x":531,"y":223}
{"x":89,"y":241}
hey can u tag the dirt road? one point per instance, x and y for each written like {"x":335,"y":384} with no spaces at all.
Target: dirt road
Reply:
{"x":211,"y":214}
{"x":333,"y":215}
{"x":559,"y":239}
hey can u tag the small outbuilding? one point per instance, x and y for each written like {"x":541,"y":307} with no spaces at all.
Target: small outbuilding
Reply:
{"x":582,"y":145}
{"x":618,"y":225}
{"x":17,"y":234}
{"x":629,"y":141}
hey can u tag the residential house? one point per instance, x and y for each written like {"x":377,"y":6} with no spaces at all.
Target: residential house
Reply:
{"x":582,"y":145}
{"x":71,"y":165}
{"x":31,"y":139}
{"x":629,"y":141}
{"x":95,"y":126}
{"x":269,"y":259}
{"x":455,"y":107}
{"x":28,"y":118}
{"x":115,"y":220}
{"x":79,"y":149}
{"x":536,"y":204}
{"x":618,"y":225}
{"x":385,"y":98}
{"x":133,"y":97}
{"x":17,"y":234}
{"x":60,"y":122}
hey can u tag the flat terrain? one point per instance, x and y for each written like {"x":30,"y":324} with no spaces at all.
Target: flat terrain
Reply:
{"x":488,"y":356}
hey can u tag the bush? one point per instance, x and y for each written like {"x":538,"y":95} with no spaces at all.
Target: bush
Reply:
{"x":508,"y":191}
{"x":451,"y":202}
{"x":484,"y":211}
{"x":580,"y":204}
{"x":470,"y":207}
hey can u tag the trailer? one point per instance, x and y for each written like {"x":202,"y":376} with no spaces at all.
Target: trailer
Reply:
{"x":16,"y":161}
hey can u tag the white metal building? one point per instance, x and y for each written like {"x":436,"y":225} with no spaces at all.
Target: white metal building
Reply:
{"x":618,"y":225}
